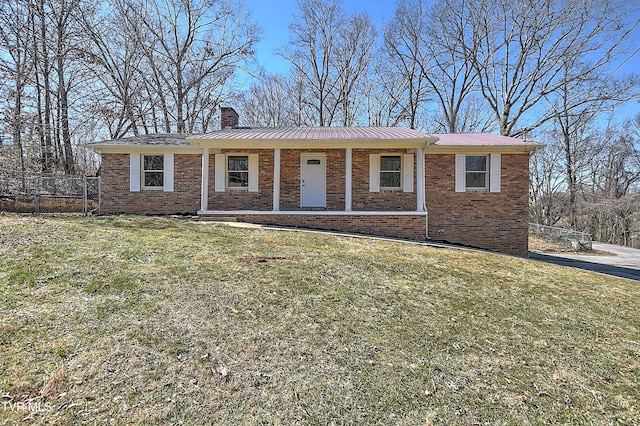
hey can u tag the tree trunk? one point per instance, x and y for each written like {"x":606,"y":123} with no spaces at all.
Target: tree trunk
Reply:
{"x":47,"y":163}
{"x":64,"y":111}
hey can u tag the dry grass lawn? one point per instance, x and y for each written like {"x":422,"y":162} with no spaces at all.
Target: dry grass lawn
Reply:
{"x":134,"y":320}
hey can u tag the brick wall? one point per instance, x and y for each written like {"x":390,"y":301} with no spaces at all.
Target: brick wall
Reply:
{"x":495,"y":221}
{"x":410,"y":227}
{"x":116,"y":197}
{"x":243,"y":199}
{"x":384,"y":200}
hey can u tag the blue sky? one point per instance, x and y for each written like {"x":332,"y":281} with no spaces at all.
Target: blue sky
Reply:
{"x":274,"y":18}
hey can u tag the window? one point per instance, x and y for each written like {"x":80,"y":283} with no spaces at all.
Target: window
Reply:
{"x":390,"y":171}
{"x":153,"y":171}
{"x":476,"y":172}
{"x":238,"y":171}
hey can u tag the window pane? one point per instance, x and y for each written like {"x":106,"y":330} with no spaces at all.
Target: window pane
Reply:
{"x":154,"y":179}
{"x":390,"y":163}
{"x":476,"y":163}
{"x":238,"y":163}
{"x":238,"y":171}
{"x":238,"y":179}
{"x":153,"y":162}
{"x":476,"y":179}
{"x":390,"y":179}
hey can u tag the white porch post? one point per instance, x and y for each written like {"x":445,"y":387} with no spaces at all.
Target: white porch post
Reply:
{"x":348,"y":179}
{"x":421,"y":188}
{"x":204,"y":190}
{"x":276,"y":179}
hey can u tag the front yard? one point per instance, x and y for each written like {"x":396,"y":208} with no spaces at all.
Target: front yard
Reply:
{"x":135,"y":320}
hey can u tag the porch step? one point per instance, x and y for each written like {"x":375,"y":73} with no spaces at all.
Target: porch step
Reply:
{"x":218,"y":218}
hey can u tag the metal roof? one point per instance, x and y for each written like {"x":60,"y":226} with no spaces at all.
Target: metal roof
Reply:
{"x":481,"y":139}
{"x":300,"y":137}
{"x":314,"y":133}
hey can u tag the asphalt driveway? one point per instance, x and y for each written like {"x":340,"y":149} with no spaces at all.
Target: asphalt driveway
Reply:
{"x":624,"y":261}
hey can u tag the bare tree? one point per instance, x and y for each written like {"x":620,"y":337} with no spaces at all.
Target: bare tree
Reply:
{"x":42,"y":75}
{"x":62,"y":15}
{"x":114,"y":58}
{"x":15,"y":67}
{"x":267,"y":104}
{"x":403,"y":39}
{"x":547,"y":194}
{"x":576,"y":107}
{"x":313,"y":45}
{"x":451,"y":77}
{"x":193,"y":47}
{"x":613,"y":199}
{"x":383,"y":90}
{"x":352,"y":62}
{"x":525,"y":51}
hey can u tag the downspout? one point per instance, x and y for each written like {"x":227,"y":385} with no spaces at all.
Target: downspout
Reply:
{"x":422,"y":204}
{"x":204,"y":181}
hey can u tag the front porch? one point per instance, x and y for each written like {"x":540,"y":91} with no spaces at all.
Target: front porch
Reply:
{"x":329,"y":181}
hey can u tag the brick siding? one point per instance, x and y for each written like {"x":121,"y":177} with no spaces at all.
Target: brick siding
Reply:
{"x":409,"y":227}
{"x":290,"y":196}
{"x":494,"y":221}
{"x":234,"y":199}
{"x":384,"y":200}
{"x":116,"y":197}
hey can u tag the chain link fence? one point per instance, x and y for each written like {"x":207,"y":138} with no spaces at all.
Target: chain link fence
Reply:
{"x":49,"y":194}
{"x":578,"y":241}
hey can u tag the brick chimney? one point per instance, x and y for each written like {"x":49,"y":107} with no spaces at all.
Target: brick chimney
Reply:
{"x":228,"y":118}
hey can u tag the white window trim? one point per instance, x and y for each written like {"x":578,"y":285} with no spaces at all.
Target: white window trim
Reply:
{"x":221,"y":173}
{"x":406,"y":172}
{"x":486,"y":173}
{"x":136,"y":172}
{"x":143,"y":171}
{"x":226,"y":173}
{"x":493,"y":173}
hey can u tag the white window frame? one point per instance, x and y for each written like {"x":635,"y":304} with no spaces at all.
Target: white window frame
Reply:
{"x":406,"y":172}
{"x":144,"y":171}
{"x":227,"y":172}
{"x":137,"y":172}
{"x":221,"y":172}
{"x":493,"y":173}
{"x":399,"y":172}
{"x":485,"y":172}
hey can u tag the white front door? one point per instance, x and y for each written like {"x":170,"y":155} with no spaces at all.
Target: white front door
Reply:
{"x":313,"y":185}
